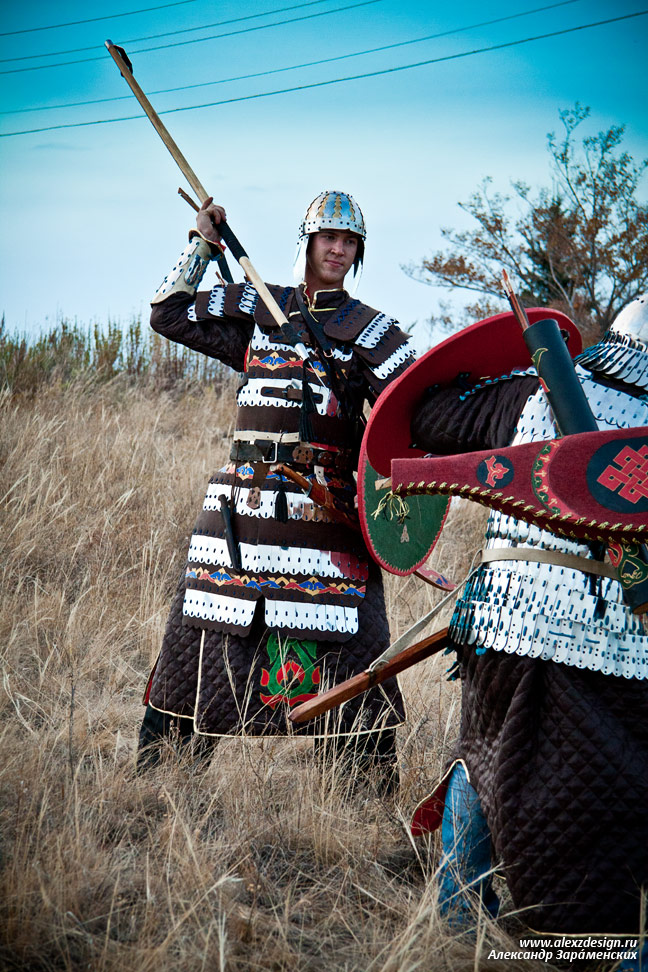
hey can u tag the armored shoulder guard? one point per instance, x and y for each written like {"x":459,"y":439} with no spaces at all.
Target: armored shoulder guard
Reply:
{"x":226,"y":300}
{"x":384,"y":349}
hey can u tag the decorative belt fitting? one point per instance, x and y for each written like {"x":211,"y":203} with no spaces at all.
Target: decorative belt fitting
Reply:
{"x":555,"y":557}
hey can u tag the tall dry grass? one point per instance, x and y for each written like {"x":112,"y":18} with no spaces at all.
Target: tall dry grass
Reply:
{"x":266,"y":861}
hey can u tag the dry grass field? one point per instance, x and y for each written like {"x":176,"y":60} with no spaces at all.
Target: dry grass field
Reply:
{"x":264,"y":862}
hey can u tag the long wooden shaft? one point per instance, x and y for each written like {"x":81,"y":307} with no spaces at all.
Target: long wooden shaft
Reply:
{"x":237,"y":250}
{"x":366,"y":680}
{"x":159,"y":127}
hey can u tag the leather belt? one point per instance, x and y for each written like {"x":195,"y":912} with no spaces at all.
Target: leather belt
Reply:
{"x":571,"y":561}
{"x":300,"y":453}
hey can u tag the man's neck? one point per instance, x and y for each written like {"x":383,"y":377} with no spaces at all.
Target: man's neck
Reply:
{"x":314,"y":283}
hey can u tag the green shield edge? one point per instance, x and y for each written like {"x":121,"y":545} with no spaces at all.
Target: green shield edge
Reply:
{"x":399,"y":547}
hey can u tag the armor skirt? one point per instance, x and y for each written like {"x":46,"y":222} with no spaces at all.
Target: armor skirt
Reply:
{"x":231,"y":683}
{"x":559,"y":758}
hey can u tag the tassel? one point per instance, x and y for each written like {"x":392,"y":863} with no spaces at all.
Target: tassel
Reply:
{"x":392,"y":505}
{"x":281,"y":504}
{"x":307,"y":409}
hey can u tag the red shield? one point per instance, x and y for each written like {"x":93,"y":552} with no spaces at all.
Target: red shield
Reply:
{"x":400,"y":542}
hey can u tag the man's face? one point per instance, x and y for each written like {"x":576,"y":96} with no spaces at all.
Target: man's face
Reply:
{"x":330,"y":256}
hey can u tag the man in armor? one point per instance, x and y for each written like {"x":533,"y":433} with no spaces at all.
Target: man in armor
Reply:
{"x":553,"y":748}
{"x":277,"y":597}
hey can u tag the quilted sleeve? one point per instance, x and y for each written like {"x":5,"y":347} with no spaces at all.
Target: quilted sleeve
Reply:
{"x":384,"y":350}
{"x":216,"y":323}
{"x":453,"y":420}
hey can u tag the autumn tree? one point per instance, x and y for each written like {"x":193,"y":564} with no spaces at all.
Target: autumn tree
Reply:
{"x":580,"y":246}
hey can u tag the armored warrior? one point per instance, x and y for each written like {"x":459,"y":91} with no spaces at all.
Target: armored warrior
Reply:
{"x":553,"y":749}
{"x":278,"y":597}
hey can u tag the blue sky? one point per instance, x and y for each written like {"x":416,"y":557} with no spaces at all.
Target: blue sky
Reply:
{"x":91,"y":216}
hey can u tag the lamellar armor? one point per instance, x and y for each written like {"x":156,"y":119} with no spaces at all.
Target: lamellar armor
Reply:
{"x":309,"y":571}
{"x":547,"y":611}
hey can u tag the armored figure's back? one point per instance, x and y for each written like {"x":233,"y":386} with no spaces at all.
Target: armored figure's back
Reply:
{"x":545,"y":610}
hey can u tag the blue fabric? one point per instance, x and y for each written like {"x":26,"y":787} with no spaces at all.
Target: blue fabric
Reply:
{"x":640,"y":964}
{"x":465,"y":870}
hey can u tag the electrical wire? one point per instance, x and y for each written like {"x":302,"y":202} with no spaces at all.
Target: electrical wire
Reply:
{"x":171,"y":33}
{"x":196,"y":40}
{"x":295,"y":67}
{"x":93,"y":20}
{"x":354,"y":77}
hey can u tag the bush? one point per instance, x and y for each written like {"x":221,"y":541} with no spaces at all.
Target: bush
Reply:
{"x":70,"y":351}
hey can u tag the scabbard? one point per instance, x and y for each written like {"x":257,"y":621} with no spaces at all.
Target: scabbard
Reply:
{"x":232,"y":545}
{"x":573,"y":414}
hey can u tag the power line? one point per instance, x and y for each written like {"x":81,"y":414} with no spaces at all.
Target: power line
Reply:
{"x":196,"y":40}
{"x":354,"y":77}
{"x":93,"y":20}
{"x":294,"y":67}
{"x":167,"y":33}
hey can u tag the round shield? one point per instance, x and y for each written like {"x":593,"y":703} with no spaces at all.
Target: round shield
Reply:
{"x":399,"y":534}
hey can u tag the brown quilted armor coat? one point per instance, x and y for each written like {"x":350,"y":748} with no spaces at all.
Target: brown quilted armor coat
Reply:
{"x":557,"y":754}
{"x":303,"y":608}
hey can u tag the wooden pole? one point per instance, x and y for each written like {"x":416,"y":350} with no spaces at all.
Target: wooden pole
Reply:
{"x":121,"y":60}
{"x":367,"y":679}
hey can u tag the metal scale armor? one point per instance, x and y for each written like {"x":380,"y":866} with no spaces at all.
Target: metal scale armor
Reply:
{"x":546,"y":611}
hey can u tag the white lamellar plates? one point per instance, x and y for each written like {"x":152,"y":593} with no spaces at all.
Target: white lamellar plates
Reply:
{"x":618,"y":359}
{"x":375,"y":330}
{"x":218,"y":607}
{"x":394,"y":361}
{"x":270,"y":558}
{"x":287,"y":615}
{"x":253,"y":394}
{"x":545,"y":611}
{"x":311,"y":617}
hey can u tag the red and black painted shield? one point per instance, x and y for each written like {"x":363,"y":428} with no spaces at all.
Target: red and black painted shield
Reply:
{"x":592,"y":486}
{"x":487,"y":349}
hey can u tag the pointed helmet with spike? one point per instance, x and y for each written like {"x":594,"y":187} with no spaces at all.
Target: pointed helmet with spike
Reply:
{"x":332,"y":209}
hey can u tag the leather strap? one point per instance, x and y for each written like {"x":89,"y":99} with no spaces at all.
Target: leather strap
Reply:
{"x":326,"y":347}
{"x":529,"y":554}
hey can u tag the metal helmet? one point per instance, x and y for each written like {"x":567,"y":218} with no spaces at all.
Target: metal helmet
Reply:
{"x":333,"y":210}
{"x":336,"y":210}
{"x":631,"y":325}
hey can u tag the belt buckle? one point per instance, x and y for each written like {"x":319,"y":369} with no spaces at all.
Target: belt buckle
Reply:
{"x":272,"y":459}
